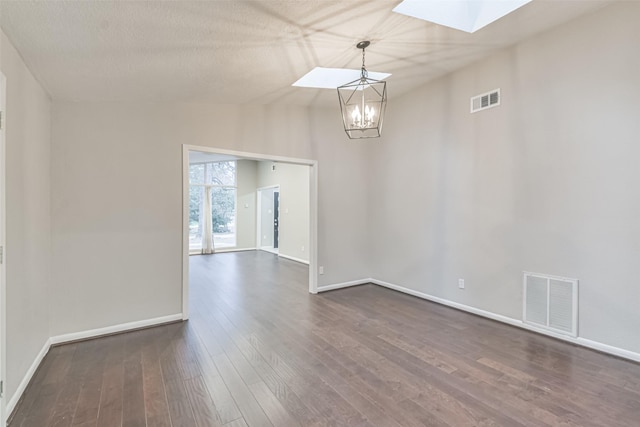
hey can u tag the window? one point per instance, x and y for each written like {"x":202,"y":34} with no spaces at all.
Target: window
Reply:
{"x":219,"y":180}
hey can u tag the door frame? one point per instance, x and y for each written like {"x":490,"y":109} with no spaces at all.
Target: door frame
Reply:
{"x":313,"y":211}
{"x":259,"y":216}
{"x":3,"y":241}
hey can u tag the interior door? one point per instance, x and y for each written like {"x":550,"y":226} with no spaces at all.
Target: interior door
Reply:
{"x":276,"y":217}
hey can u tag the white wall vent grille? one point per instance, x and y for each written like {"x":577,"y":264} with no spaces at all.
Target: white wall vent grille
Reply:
{"x":551,"y":303}
{"x":485,"y":101}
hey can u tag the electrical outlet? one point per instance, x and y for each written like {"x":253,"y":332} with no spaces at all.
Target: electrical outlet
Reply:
{"x":321,"y":270}
{"x":461,"y":283}
{"x":303,"y":249}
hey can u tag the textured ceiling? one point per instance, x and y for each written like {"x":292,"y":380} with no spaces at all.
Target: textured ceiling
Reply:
{"x":244,"y":51}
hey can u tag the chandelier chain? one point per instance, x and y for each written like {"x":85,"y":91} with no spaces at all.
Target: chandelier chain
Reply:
{"x":364,"y":73}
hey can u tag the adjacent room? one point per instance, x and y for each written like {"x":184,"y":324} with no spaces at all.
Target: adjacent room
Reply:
{"x":246,"y":204}
{"x":319,"y":213}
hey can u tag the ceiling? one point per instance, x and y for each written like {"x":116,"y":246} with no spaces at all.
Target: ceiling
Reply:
{"x":241,"y":52}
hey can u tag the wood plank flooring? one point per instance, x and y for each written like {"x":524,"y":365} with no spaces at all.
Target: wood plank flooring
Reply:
{"x":260,"y":351}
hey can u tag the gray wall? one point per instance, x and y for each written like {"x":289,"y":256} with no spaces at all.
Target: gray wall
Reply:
{"x":547,"y":182}
{"x":28,"y":221}
{"x":117,"y":218}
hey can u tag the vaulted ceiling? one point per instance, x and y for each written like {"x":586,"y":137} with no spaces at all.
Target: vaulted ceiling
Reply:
{"x":245,"y":51}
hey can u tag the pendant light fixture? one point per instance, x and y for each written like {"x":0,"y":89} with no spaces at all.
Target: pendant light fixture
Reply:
{"x":363,"y":103}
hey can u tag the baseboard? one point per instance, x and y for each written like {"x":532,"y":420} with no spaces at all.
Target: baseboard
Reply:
{"x":300,"y":260}
{"x":123,"y":327}
{"x":76,"y":336}
{"x":326,"y":288}
{"x":221,"y":251}
{"x":13,"y":402}
{"x":467,"y":308}
{"x":594,"y":345}
{"x":605,"y":348}
{"x":266,"y":249}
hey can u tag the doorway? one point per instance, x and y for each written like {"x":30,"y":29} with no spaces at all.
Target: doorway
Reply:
{"x":312,"y":226}
{"x":268,"y":220}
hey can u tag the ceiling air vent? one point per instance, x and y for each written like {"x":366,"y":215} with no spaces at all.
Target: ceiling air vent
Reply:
{"x":486,"y":100}
{"x":551,"y":303}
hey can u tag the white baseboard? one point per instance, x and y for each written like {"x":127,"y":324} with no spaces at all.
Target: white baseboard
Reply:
{"x":221,"y":251}
{"x":268,"y":249}
{"x":300,"y":260}
{"x":59,"y":339}
{"x":605,"y":348}
{"x":93,"y":333}
{"x":326,"y":288}
{"x":594,"y":345}
{"x":11,"y":403}
{"x":479,"y":312}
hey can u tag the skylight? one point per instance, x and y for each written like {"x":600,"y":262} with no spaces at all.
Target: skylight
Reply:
{"x":331,"y":78}
{"x":465,"y":15}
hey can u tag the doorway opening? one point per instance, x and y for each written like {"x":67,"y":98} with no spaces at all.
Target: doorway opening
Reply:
{"x":195,"y":212}
{"x":268,"y":219}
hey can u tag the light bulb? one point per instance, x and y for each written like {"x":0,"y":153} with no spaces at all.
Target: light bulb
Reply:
{"x":356,"y":116}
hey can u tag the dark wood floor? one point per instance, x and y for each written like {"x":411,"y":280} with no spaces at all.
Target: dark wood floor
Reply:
{"x":260,"y":351}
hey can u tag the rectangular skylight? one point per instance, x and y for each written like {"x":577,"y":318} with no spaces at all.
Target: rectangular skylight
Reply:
{"x":465,"y":15}
{"x":331,"y":78}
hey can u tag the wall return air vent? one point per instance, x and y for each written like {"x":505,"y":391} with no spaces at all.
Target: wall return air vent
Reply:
{"x":551,"y":303}
{"x":485,"y":101}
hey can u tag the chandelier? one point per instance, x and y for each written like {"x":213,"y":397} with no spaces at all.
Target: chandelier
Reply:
{"x":363,"y":103}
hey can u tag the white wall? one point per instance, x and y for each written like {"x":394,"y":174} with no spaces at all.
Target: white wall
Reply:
{"x":293,"y":225}
{"x":267,"y":217}
{"x":28,"y":222}
{"x":547,"y":182}
{"x":246,"y":207}
{"x":117,"y":217}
